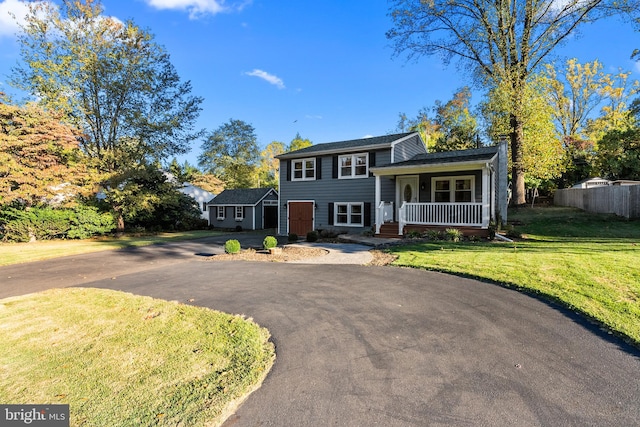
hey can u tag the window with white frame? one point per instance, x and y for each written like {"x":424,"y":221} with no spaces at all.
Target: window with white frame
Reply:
{"x":353,"y":166}
{"x":455,"y":189}
{"x":220,"y":212}
{"x":239,"y":213}
{"x":303,"y":169}
{"x":349,"y":214}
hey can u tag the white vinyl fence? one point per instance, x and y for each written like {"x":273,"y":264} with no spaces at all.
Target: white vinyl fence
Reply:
{"x":622,"y":200}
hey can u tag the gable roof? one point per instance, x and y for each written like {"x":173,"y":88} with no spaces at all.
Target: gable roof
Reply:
{"x":242,"y":196}
{"x":474,"y":155}
{"x":375,"y":142}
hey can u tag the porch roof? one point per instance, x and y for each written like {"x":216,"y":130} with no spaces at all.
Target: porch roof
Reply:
{"x":442,"y":160}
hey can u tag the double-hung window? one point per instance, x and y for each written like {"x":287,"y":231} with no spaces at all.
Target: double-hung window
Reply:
{"x":303,"y":169}
{"x":455,"y":189}
{"x":220,"y":212}
{"x":353,"y":166}
{"x":349,"y":214}
{"x":239,"y":213}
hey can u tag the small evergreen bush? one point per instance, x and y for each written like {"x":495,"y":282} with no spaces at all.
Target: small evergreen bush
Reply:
{"x":293,"y":237}
{"x":312,"y":236}
{"x":232,"y":246}
{"x":433,"y":235}
{"x":269,"y":242}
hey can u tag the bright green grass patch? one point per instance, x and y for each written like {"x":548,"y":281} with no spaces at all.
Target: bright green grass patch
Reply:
{"x":119,"y":359}
{"x":589,"y":263}
{"x":14,"y":253}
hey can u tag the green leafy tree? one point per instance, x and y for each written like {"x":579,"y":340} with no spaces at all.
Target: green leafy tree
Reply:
{"x":428,"y":129}
{"x":231,"y":153}
{"x":269,"y":169}
{"x":298,"y":143}
{"x":502,"y":44}
{"x":112,"y":81}
{"x":40,"y":160}
{"x":542,"y":157}
{"x":458,"y":127}
{"x":619,"y":154}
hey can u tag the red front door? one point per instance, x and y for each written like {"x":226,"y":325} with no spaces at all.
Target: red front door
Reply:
{"x":300,"y":217}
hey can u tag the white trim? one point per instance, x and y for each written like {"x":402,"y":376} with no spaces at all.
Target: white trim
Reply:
{"x":452,"y":187}
{"x":353,"y":166}
{"x":304,"y":169}
{"x":218,"y":216}
{"x":241,"y":217}
{"x":349,"y":214}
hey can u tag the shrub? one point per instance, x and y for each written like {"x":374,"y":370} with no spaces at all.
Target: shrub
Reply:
{"x":232,"y":246}
{"x":269,"y":242}
{"x":293,"y":237}
{"x":328,"y":234}
{"x":413,"y":234}
{"x":453,"y":234}
{"x":238,"y":228}
{"x":434,"y":235}
{"x":312,"y":236}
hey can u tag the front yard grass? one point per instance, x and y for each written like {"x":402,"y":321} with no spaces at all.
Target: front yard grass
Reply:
{"x":587,"y":262}
{"x":14,"y":253}
{"x":124,"y":360}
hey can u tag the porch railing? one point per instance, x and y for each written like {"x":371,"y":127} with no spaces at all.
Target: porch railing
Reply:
{"x":384,"y":213}
{"x":453,"y":214}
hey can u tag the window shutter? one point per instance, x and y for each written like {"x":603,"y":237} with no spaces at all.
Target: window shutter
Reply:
{"x":318,"y":167}
{"x":330,"y":214}
{"x":288,"y":163}
{"x":372,"y":161}
{"x":335,"y":167}
{"x":367,"y":214}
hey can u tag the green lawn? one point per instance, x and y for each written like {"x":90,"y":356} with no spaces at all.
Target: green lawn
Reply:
{"x":14,"y":253}
{"x":124,"y":360}
{"x":589,"y":263}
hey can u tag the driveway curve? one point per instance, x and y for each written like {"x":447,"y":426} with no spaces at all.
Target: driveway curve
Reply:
{"x":364,"y":346}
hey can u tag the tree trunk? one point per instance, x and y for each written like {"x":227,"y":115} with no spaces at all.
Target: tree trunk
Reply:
{"x":120,"y":224}
{"x":517,"y":166}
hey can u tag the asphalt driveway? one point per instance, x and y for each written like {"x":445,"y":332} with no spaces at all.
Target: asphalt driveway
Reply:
{"x":363,"y":346}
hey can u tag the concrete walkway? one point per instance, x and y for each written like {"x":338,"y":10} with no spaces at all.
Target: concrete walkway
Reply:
{"x":339,"y":253}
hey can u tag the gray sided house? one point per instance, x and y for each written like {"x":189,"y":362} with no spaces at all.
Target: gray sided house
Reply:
{"x":390,"y":184}
{"x":249,"y":208}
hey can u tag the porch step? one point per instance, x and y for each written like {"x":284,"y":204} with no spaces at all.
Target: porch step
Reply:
{"x":389,"y":230}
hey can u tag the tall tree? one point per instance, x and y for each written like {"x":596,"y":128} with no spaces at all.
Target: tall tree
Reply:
{"x":575,"y":91}
{"x":502,"y":43}
{"x":231,"y":153}
{"x":542,"y":156}
{"x":458,"y":127}
{"x":111,"y":80}
{"x":269,"y":169}
{"x":423,"y":124}
{"x":40,"y":159}
{"x":299,"y":142}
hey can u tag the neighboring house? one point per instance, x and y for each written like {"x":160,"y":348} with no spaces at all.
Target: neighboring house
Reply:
{"x":249,"y":208}
{"x":390,"y":184}
{"x":202,"y":196}
{"x":592,"y":182}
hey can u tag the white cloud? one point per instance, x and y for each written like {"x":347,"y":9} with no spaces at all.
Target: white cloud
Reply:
{"x":10,"y":11}
{"x":270,"y":78}
{"x":367,"y":136}
{"x":313,"y":116}
{"x":198,"y":8}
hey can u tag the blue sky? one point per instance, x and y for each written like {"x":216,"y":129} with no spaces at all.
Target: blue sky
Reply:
{"x":323,"y":69}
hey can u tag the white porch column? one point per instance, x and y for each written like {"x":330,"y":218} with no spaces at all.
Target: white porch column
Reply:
{"x":379,"y":220}
{"x":486,"y":195}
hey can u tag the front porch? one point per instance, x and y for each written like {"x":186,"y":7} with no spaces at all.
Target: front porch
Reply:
{"x":470,"y":218}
